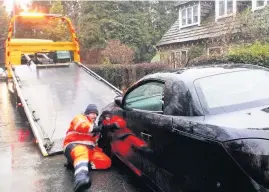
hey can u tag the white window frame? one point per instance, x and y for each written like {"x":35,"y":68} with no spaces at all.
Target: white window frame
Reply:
{"x":179,"y":52}
{"x":218,"y":47}
{"x":254,"y":5}
{"x":185,"y":8}
{"x":217,"y":16}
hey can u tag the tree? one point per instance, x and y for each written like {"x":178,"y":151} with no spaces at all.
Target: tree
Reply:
{"x":40,"y":6}
{"x":118,"y":53}
{"x":72,"y":11}
{"x":57,"y":8}
{"x":58,"y":29}
{"x":4,"y":21}
{"x":255,"y":26}
{"x":139,"y":25}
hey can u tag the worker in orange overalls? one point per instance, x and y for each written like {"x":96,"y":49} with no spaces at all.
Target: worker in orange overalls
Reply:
{"x":81,"y":148}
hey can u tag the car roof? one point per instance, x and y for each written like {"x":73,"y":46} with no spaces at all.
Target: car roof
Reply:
{"x":190,"y":74}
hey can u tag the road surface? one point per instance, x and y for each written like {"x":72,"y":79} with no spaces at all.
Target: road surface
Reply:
{"x":23,"y":168}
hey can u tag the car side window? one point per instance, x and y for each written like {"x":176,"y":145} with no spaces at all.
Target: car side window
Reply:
{"x":146,"y":97}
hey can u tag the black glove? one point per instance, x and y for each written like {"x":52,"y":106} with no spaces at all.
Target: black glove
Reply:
{"x":97,"y":128}
{"x":114,"y":126}
{"x":105,"y":129}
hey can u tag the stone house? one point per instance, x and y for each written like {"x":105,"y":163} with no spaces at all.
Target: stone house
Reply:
{"x":209,"y":26}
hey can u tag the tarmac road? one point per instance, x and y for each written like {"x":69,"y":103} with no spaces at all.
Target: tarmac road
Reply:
{"x":23,"y":168}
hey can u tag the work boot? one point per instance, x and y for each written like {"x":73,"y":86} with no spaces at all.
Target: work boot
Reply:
{"x":82,"y":181}
{"x":68,"y":165}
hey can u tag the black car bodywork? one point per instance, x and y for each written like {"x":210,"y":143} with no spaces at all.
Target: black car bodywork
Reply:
{"x":197,"y":129}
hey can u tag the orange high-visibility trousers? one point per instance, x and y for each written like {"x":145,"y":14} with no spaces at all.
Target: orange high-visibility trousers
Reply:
{"x":83,"y":155}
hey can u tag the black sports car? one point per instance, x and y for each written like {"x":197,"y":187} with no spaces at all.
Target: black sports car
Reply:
{"x":197,"y":129}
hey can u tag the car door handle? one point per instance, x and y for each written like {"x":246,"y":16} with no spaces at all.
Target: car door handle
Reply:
{"x":146,"y":136}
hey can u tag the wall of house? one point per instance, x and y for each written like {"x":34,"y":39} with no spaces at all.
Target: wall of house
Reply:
{"x":178,"y":55}
{"x":172,"y":54}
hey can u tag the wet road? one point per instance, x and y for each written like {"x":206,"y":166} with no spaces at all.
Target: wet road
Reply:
{"x":23,"y":168}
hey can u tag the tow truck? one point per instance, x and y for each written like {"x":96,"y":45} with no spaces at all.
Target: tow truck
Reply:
{"x":50,"y":83}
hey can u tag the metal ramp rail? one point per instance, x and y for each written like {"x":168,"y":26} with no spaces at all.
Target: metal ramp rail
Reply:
{"x":52,"y":96}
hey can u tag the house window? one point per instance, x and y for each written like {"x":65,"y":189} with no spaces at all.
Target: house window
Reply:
{"x":189,"y":16}
{"x":221,"y":8}
{"x":259,"y":4}
{"x":214,"y":51}
{"x":225,"y":8}
{"x":184,"y":18}
{"x":195,"y":14}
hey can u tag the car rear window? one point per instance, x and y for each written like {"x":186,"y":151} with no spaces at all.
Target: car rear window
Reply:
{"x":234,"y":91}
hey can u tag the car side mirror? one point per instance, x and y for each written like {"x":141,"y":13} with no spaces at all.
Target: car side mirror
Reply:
{"x":118,"y":101}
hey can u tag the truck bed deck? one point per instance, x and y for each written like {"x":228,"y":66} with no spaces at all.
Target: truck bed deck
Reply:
{"x":52,"y":96}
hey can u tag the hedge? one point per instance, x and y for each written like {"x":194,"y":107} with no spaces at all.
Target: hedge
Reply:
{"x":123,"y":76}
{"x":256,"y":53}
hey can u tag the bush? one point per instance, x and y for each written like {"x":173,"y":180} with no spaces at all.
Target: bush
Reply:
{"x":118,"y":53}
{"x":256,"y":53}
{"x":123,"y":76}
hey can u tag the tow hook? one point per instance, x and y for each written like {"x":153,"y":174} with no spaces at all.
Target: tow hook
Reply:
{"x":48,"y":145}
